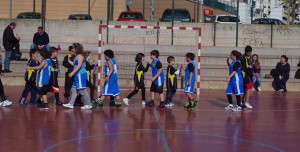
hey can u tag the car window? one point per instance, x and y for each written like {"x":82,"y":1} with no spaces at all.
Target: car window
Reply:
{"x":29,"y":15}
{"x":131,"y":16}
{"x":178,"y":14}
{"x":227,"y":19}
{"x":279,"y":22}
{"x":80,"y":17}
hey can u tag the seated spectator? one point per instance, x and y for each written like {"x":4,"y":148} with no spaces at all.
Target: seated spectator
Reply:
{"x":283,"y":73}
{"x":40,"y":40}
{"x":256,"y":71}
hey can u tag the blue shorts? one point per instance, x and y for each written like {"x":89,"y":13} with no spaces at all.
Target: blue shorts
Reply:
{"x":80,"y":81}
{"x":189,"y":89}
{"x":235,"y":88}
{"x":111,"y":88}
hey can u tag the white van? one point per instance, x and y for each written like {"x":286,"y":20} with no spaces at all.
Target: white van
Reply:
{"x":225,"y":19}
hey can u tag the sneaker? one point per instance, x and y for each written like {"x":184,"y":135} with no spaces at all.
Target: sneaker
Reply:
{"x":248,"y":105}
{"x":161,"y":105}
{"x":150,"y":103}
{"x":43,"y":106}
{"x":193,"y":104}
{"x":68,"y":106}
{"x":6,"y":71}
{"x":97,"y":104}
{"x":187,"y":106}
{"x":259,"y":89}
{"x":6,"y":103}
{"x":22,"y":103}
{"x":143,"y":102}
{"x":230,"y":106}
{"x":87,"y":107}
{"x":32,"y":103}
{"x":170,"y":104}
{"x":126,"y":101}
{"x":237,"y":108}
{"x":280,"y":90}
{"x":118,"y":105}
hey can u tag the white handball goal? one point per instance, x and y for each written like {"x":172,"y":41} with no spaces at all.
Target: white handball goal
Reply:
{"x":128,"y":40}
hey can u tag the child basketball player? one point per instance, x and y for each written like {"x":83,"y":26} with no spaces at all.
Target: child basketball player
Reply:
{"x":235,"y":81}
{"x":30,"y":78}
{"x":80,"y":78}
{"x":171,"y":81}
{"x":190,"y":79}
{"x":54,"y":74}
{"x":157,"y":80}
{"x":43,"y":79}
{"x":140,"y":70}
{"x":110,"y":87}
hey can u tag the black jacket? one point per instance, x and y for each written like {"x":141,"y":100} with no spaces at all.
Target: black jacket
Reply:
{"x":247,"y":69}
{"x":67,"y":65}
{"x":139,"y":74}
{"x":39,"y":39}
{"x":171,"y":80}
{"x":9,"y":39}
{"x":89,"y":68}
{"x":283,"y":70}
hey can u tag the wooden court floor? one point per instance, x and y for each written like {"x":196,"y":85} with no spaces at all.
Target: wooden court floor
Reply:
{"x":273,"y":125}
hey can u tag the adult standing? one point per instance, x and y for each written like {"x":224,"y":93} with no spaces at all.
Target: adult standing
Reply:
{"x":283,"y":73}
{"x":9,"y":42}
{"x":247,"y":72}
{"x":40,"y":40}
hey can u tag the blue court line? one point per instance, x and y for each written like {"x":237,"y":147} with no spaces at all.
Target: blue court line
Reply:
{"x":93,"y":136}
{"x":161,"y":131}
{"x":232,"y":138}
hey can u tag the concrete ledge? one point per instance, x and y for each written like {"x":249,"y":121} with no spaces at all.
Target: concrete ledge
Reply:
{"x":205,"y":82}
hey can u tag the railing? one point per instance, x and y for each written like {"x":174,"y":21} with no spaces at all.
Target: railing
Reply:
{"x":224,"y":6}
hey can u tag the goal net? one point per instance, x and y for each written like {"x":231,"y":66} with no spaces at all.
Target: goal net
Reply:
{"x":126,"y":41}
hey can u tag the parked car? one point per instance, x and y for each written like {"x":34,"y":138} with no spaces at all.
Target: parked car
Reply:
{"x":268,"y":21}
{"x":80,"y":17}
{"x":225,"y":19}
{"x":180,"y":15}
{"x":130,"y":16}
{"x":29,"y":15}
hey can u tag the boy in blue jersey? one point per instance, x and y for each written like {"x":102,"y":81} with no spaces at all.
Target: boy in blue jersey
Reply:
{"x":110,"y":87}
{"x":235,"y":81}
{"x":30,"y":78}
{"x":43,"y":79}
{"x":157,"y":80}
{"x":190,"y":79}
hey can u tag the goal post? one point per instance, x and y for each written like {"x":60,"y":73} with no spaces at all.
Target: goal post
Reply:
{"x":101,"y":31}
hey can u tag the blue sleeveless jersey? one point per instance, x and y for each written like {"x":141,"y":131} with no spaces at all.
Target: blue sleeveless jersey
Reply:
{"x":238,"y":76}
{"x":114,"y":73}
{"x":111,"y":88}
{"x":160,"y":78}
{"x":44,"y":73}
{"x":82,"y":69}
{"x":187,"y":73}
